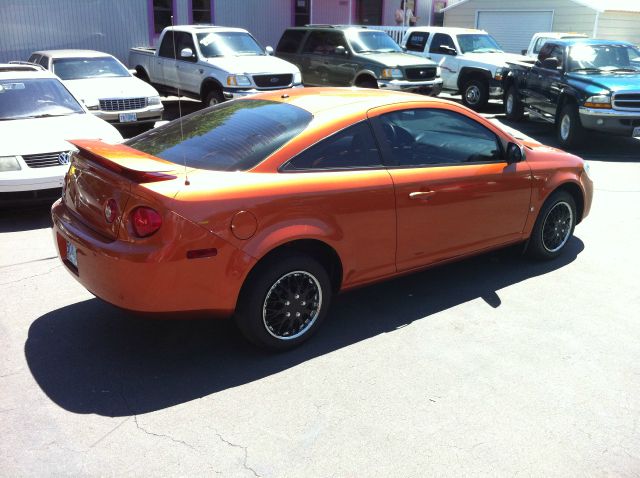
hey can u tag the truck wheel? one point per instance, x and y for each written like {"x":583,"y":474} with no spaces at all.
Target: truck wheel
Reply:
{"x":367,"y":83}
{"x":212,"y":98}
{"x":513,"y":107}
{"x":140,"y":73}
{"x":475,"y":94}
{"x":570,"y":130}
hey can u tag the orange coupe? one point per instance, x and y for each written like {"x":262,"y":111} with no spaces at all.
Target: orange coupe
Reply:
{"x":264,"y":208}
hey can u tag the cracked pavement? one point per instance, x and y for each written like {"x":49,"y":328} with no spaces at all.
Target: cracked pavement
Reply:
{"x":492,"y":366}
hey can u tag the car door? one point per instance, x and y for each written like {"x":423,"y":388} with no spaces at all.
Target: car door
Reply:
{"x":313,"y":56}
{"x":190,"y":74}
{"x":539,"y":81}
{"x":455,"y":192}
{"x":164,"y":65}
{"x":443,"y":51}
{"x":339,"y":69}
{"x":550,"y":85}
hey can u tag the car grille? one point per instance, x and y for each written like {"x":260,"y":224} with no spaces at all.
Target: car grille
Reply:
{"x":272,"y":81}
{"x":123,"y":104}
{"x":416,"y":74}
{"x":44,"y":160}
{"x":626,"y":101}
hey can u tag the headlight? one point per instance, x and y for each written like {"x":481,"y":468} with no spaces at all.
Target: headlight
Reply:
{"x":297,"y":78}
{"x":498,"y":74}
{"x":598,"y":101}
{"x":392,"y":73}
{"x":238,"y":80}
{"x":9,"y":163}
{"x":154,"y":100}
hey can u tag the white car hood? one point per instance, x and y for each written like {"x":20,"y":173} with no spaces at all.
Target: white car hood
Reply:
{"x":495,"y":59}
{"x":253,"y":65}
{"x":46,"y":135}
{"x":91,"y":90}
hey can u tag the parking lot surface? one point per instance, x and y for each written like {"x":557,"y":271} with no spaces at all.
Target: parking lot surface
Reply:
{"x":491,"y":366}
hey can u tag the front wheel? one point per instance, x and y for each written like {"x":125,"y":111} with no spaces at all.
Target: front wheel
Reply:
{"x":554,"y":226}
{"x":284,"y":301}
{"x":475,"y":94}
{"x":570,"y":130}
{"x":213,"y":98}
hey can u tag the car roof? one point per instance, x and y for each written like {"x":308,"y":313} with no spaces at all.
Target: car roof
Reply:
{"x":561,"y":35}
{"x":22,"y":72}
{"x":590,"y":41}
{"x":71,"y":53}
{"x":321,"y":26}
{"x":451,"y":30}
{"x":204,"y":27}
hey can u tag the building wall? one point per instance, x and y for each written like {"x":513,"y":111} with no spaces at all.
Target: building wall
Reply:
{"x":333,"y":11}
{"x":111,"y":26}
{"x":619,"y":26}
{"x":568,"y":16}
{"x":266,"y":20}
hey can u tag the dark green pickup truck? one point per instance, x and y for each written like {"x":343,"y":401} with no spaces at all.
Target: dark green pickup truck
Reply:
{"x":579,"y":85}
{"x":356,"y":56}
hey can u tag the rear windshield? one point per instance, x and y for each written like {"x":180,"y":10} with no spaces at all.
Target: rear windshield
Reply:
{"x":232,"y":136}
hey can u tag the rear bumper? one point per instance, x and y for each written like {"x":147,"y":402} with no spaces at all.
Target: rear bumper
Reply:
{"x":610,"y":121}
{"x":154,"y":275}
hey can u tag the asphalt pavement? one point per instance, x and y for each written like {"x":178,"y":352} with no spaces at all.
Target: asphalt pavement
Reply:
{"x":493,"y":366}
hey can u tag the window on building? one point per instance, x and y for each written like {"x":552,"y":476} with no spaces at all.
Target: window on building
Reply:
{"x":162,"y":12}
{"x":201,"y":11}
{"x":301,"y":12}
{"x":369,"y":12}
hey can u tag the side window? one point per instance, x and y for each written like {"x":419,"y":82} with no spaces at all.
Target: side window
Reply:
{"x":545,"y":52}
{"x":539,"y":42}
{"x":34,"y":59}
{"x":440,"y":40}
{"x":166,"y":47}
{"x":290,"y":41}
{"x":353,"y":147}
{"x":324,"y":42}
{"x":185,"y":40}
{"x":315,"y":42}
{"x":431,"y":136}
{"x":417,"y":41}
{"x":549,"y":50}
{"x":44,"y":61}
{"x":334,"y":40}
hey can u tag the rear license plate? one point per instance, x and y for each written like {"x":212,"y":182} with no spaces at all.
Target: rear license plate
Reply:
{"x":636,"y":132}
{"x":72,"y":254}
{"x":128,"y":117}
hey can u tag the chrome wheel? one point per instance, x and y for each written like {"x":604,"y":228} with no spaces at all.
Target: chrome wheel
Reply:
{"x":472,"y":95}
{"x":557,"y":227}
{"x":509,"y":105}
{"x":292,"y":305}
{"x":565,"y":127}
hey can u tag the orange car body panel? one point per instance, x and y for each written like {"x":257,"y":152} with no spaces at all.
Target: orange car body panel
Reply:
{"x":366,"y":216}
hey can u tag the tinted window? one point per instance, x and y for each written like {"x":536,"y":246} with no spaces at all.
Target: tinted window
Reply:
{"x":324,"y":42}
{"x":440,"y":39}
{"x":422,"y":137}
{"x":541,"y":41}
{"x":290,"y":41}
{"x":417,"y":41}
{"x":549,"y":50}
{"x":166,"y":47}
{"x":185,"y":40}
{"x":44,"y":61}
{"x":34,"y":59}
{"x":28,"y":98}
{"x":353,"y":147}
{"x":77,"y":68}
{"x":232,"y":136}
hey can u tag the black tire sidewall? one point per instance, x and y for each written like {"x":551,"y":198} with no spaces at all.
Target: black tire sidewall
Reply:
{"x":518,"y":110}
{"x":576,"y":132}
{"x":535,"y":247}
{"x":248,"y":316}
{"x":213,"y":94}
{"x":484,"y":94}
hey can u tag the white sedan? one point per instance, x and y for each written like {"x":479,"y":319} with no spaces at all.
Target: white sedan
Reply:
{"x":37,"y":115}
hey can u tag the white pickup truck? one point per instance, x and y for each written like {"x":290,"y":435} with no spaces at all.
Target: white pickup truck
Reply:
{"x":471,"y":61}
{"x":212,"y":64}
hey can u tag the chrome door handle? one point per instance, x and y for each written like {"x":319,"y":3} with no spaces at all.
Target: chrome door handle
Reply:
{"x":421,"y":195}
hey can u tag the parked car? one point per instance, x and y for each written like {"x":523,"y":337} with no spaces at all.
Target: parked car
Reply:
{"x":212,"y":64}
{"x":104,"y":85}
{"x":539,"y":39}
{"x":37,"y":115}
{"x":579,"y":85}
{"x":356,"y":56}
{"x":267,"y":206}
{"x":472,"y":62}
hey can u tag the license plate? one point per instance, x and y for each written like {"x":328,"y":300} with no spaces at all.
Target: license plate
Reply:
{"x":636,"y":132}
{"x":128,"y":117}
{"x":72,"y":254}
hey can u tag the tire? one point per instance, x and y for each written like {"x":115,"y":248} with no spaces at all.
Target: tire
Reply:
{"x":368,"y":83}
{"x":513,"y":107}
{"x":260,"y":315}
{"x":475,"y":94}
{"x":141,"y":74}
{"x":212,"y":98}
{"x":554,"y":226}
{"x":570,"y":130}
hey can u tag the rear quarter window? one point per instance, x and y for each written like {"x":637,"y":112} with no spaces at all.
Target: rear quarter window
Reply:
{"x":290,"y":41}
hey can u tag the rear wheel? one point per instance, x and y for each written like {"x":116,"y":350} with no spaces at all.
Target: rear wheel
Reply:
{"x":513,"y":107}
{"x":554,"y":226}
{"x":283,"y":301}
{"x":475,"y":94}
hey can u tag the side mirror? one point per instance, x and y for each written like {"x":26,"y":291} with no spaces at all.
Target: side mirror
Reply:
{"x":550,"y":63}
{"x":186,"y":53}
{"x":340,"y":50}
{"x":269,"y":50}
{"x":515,"y":153}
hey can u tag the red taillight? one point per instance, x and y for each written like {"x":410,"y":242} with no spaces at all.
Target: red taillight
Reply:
{"x":111,"y":210}
{"x":145,"y":221}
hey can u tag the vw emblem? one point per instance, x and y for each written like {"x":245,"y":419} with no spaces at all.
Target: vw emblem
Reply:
{"x":274,"y":79}
{"x":64,"y":157}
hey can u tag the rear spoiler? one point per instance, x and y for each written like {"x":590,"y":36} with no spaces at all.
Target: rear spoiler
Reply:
{"x":134,"y":165}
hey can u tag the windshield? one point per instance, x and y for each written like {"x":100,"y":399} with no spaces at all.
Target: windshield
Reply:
{"x":604,"y":58}
{"x":228,"y":44}
{"x":478,"y":43}
{"x":373,"y":41}
{"x":35,"y":98}
{"x":232,"y":136}
{"x":80,"y":68}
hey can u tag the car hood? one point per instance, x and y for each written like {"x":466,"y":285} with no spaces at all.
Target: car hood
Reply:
{"x":496,"y":59}
{"x":253,"y":65}
{"x":91,"y":90}
{"x":44,"y":135}
{"x":610,"y":81}
{"x":397,"y":59}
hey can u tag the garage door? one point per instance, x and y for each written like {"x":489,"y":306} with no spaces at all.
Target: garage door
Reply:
{"x":513,"y":29}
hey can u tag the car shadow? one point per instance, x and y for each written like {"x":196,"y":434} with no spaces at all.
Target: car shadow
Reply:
{"x":90,"y":357}
{"x":25,"y":218}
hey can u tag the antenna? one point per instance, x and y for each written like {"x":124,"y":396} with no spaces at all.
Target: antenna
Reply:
{"x":175,"y":59}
